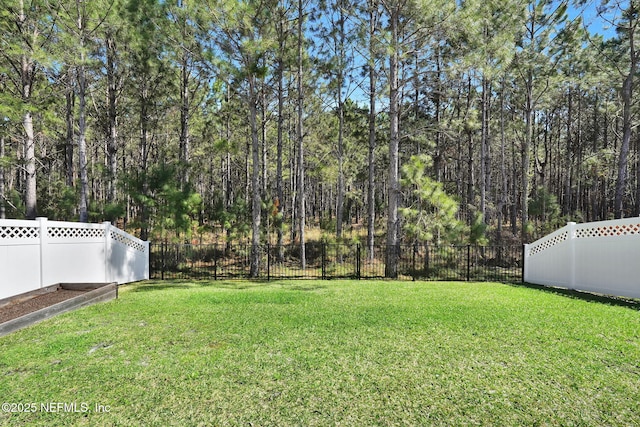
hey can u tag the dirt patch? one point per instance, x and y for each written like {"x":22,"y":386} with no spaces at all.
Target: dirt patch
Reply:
{"x":16,"y":309}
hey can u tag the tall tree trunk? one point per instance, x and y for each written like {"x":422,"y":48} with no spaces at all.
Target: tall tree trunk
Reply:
{"x":144,"y":158}
{"x":3,"y":212}
{"x":293,"y":186}
{"x":471,"y":193}
{"x":184,"y":103}
{"x":595,"y":180}
{"x":255,"y":180}
{"x":525,"y":155}
{"x":502,"y":198}
{"x":247,"y":172}
{"x":393,"y":184}
{"x":636,"y":206}
{"x":566,"y":205}
{"x":69,"y":139}
{"x":623,"y":159}
{"x":280,"y":131}
{"x":227,"y":188}
{"x":484,"y":149}
{"x":112,"y":118}
{"x":27,"y":72}
{"x":513,"y":216}
{"x":264,"y":182}
{"x":340,"y":196}
{"x":471,"y":179}
{"x":340,"y":78}
{"x":579,"y":155}
{"x":82,"y":128}
{"x":437,"y":160}
{"x":82,"y":145}
{"x":184,"y":120}
{"x":30,"y":167}
{"x":371,"y":214}
{"x":300,"y":136}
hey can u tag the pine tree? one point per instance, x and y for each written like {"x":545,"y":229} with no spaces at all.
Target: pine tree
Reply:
{"x":148,"y":83}
{"x":543,"y":17}
{"x":410,"y":25}
{"x":432,"y":216}
{"x":394,"y":9}
{"x":300,"y":137}
{"x":25,"y":40}
{"x":490,"y":29}
{"x":245,"y":43}
{"x":81,"y":22}
{"x":282,"y":60}
{"x":374,"y":16}
{"x":627,"y":29}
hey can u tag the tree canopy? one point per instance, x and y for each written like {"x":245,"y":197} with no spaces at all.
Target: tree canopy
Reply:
{"x":262,"y":118}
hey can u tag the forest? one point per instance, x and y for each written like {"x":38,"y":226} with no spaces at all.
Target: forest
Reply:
{"x":381,"y":121}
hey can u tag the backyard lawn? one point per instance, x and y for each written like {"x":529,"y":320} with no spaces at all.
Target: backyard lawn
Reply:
{"x":317,"y":353}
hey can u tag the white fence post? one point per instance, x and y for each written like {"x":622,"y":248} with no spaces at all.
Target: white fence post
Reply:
{"x":525,"y":261}
{"x":107,"y":251}
{"x":146,"y":259}
{"x":571,"y":228}
{"x":44,"y":245}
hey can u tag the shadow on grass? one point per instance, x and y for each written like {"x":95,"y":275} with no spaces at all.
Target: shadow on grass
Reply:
{"x":303,"y":286}
{"x":586,"y":296}
{"x":159,"y":285}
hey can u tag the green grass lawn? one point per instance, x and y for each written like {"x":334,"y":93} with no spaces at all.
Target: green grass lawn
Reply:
{"x":309,"y":353}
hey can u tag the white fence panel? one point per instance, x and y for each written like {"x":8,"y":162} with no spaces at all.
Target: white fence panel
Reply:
{"x":36,"y":254}
{"x":597,"y":257}
{"x":127,"y":257}
{"x":19,"y":247}
{"x":608,"y":257}
{"x":74,"y":252}
{"x":554,"y":253}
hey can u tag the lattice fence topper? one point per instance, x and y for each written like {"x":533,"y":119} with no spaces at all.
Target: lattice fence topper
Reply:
{"x":610,"y":230}
{"x":75,"y":233}
{"x":549,"y":243}
{"x":127,"y":241}
{"x":19,"y":232}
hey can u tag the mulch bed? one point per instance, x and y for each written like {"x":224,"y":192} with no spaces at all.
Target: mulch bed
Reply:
{"x":16,"y":309}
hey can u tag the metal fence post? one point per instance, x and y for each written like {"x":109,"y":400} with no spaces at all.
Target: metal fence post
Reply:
{"x":413,"y":267}
{"x":215,"y":261}
{"x":268,"y":262}
{"x":398,"y":249}
{"x":358,"y":261}
{"x":324,"y":258}
{"x":426,"y":260}
{"x":162,"y":258}
{"x":468,"y":263}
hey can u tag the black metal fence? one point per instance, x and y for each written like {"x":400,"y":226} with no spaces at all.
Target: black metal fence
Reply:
{"x":329,"y":261}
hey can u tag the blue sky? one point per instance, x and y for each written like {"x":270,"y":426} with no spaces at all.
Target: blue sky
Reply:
{"x":595,"y":24}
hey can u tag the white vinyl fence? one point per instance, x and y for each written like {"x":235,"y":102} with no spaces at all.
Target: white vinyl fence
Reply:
{"x":602,"y":257}
{"x":36,"y":254}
